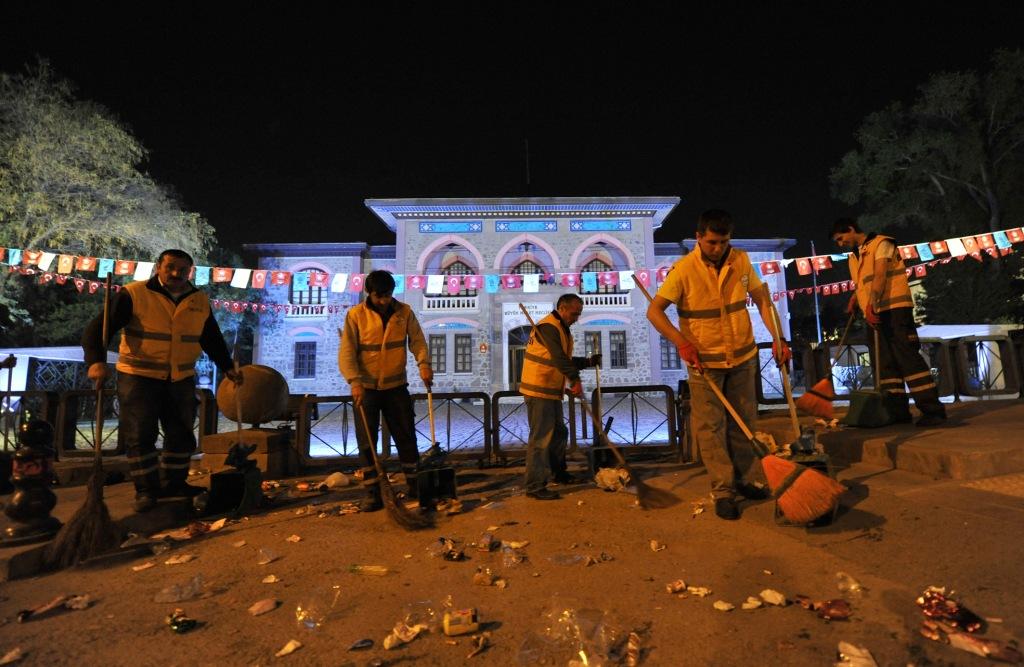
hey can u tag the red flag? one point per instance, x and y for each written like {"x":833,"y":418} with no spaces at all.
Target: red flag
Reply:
{"x":221,"y":274}
{"x":993,"y":252}
{"x":473,"y":281}
{"x":909,"y":271}
{"x":79,"y":283}
{"x":1015,"y":235}
{"x":511,"y":280}
{"x":124,"y":267}
{"x":776,"y":296}
{"x":93,"y":286}
{"x":3,"y":253}
{"x":643,"y":276}
{"x":454,"y":283}
{"x":792,"y":294}
{"x":259,"y":279}
{"x":920,"y":271}
{"x":278,"y":278}
{"x":608,"y":278}
{"x":938,"y":247}
{"x":570,"y":279}
{"x":844,"y":287}
{"x":821,"y":262}
{"x":355,"y":282}
{"x":1005,"y":251}
{"x":415,"y":282}
{"x":60,"y":279}
{"x":318,"y":279}
{"x":30,"y":256}
{"x":970,"y":244}
{"x":976,"y":255}
{"x":803,"y":266}
{"x":986,"y":241}
{"x":663,"y":273}
{"x":768,"y":268}
{"x":908,"y":252}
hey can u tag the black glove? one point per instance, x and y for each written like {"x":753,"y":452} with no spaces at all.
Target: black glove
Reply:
{"x":594,"y":360}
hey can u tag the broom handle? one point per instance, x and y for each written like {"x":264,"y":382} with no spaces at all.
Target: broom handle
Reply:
{"x":430,"y":411}
{"x":784,"y":368}
{"x":842,"y":339}
{"x":878,"y":365}
{"x":98,"y":436}
{"x":238,"y":396}
{"x":372,"y":448}
{"x":7,"y":403}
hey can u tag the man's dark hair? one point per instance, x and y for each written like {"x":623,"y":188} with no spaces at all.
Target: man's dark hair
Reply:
{"x":845,"y":225}
{"x":379,"y":282}
{"x":174,"y":252}
{"x":715,"y":220}
{"x":567,"y":299}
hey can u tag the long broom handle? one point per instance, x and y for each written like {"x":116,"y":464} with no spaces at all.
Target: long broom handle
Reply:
{"x":372,"y":447}
{"x":7,"y":403}
{"x":878,"y":365}
{"x":238,"y":396}
{"x":784,"y":369}
{"x":709,"y":381}
{"x":98,"y":436}
{"x":430,"y":412}
{"x":842,"y":339}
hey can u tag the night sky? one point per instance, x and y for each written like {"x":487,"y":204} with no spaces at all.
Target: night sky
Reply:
{"x":275,"y":120}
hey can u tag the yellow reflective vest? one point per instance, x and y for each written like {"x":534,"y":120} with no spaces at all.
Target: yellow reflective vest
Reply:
{"x":712,"y":306}
{"x":161,"y":340}
{"x":862,"y":269}
{"x":374,"y":357}
{"x":541,"y":378}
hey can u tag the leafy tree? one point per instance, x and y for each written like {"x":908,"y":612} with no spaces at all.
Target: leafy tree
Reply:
{"x":71,"y":179}
{"x":949,"y":164}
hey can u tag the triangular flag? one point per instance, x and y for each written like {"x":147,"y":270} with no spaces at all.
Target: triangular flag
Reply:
{"x":93,"y":285}
{"x":259,"y":279}
{"x":241,"y":278}
{"x":338,"y":282}
{"x":79,"y":283}
{"x":144,"y":271}
{"x":531,"y":282}
{"x":920,"y":271}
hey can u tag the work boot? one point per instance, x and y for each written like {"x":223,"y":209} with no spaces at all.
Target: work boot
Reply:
{"x":543,"y":494}
{"x":726,"y":508}
{"x":753,"y":490}
{"x":144,"y":501}
{"x":565,"y":477}
{"x":372,"y":502}
{"x":928,"y":421}
{"x":179,"y":489}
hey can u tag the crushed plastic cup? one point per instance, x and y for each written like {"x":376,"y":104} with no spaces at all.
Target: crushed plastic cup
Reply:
{"x":511,"y":557}
{"x":422,"y":612}
{"x":315,"y":608}
{"x":181,"y":592}
{"x":265,"y":556}
{"x":847,"y":584}
{"x":566,"y":559}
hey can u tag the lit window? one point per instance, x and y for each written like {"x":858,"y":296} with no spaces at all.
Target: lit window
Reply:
{"x":597,"y":266}
{"x":311,"y":296}
{"x":463,"y":353}
{"x":591,"y":343}
{"x":617,"y":343}
{"x":527,"y":267}
{"x":305,"y":359}
{"x":438,"y":350}
{"x":460,"y":269}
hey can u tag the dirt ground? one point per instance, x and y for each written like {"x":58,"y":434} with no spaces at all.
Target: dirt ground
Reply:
{"x":590,"y":577}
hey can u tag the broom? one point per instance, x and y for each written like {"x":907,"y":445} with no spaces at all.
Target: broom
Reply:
{"x":398,"y":512}
{"x":90,"y":531}
{"x":649,"y":497}
{"x":818,"y":399}
{"x":803,"y":494}
{"x":784,"y":369}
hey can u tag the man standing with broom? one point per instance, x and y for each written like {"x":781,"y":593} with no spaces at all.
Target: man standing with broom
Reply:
{"x":548,"y":366}
{"x":372,"y":360}
{"x":883,"y":295}
{"x":167,"y":322}
{"x":715,"y":338}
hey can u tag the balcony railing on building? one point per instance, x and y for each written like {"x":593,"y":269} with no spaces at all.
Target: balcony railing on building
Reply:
{"x":434,"y":303}
{"x":306,"y":312}
{"x":609,"y":300}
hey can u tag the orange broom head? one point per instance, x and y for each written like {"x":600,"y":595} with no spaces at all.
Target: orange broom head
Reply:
{"x":810,"y":496}
{"x":818,"y":399}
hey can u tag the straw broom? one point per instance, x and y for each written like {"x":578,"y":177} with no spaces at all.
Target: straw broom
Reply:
{"x":399,"y":513}
{"x":648,"y":496}
{"x":818,"y":399}
{"x":90,"y":531}
{"x":803,"y":494}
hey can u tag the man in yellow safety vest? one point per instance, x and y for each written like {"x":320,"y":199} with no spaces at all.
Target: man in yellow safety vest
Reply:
{"x":715,"y":338}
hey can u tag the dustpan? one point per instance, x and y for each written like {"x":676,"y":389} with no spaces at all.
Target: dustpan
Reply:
{"x":871,"y":408}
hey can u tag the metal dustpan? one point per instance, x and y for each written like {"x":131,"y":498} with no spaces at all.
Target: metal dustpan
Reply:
{"x":871,"y":408}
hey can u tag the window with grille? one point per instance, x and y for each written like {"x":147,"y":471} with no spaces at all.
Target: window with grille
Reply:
{"x":591,"y":343}
{"x":311,"y":296}
{"x":617,"y":343}
{"x":597,"y":266}
{"x":669,"y":355}
{"x":460,"y":269}
{"x":305,"y":359}
{"x":438,"y":348}
{"x":527,"y":267}
{"x":463,"y":353}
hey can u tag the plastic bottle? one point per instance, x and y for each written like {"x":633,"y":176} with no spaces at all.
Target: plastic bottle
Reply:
{"x":370,"y":570}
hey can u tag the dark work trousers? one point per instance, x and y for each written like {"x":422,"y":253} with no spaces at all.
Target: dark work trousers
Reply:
{"x":900,"y":362}
{"x":146,"y":403}
{"x":545,"y":450}
{"x":396,"y":404}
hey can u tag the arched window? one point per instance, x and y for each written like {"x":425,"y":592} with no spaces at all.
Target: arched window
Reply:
{"x":311,"y":296}
{"x":460,"y":268}
{"x":598,"y":266}
{"x":527,"y":267}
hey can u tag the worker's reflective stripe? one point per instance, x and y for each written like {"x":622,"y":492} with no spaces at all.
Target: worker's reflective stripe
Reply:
{"x":394,"y":343}
{"x":369,"y":348}
{"x":188,"y":338}
{"x":903,"y":298}
{"x":736,"y":306}
{"x":699,"y":314}
{"x":541,"y":390}
{"x":155,"y":365}
{"x":537,"y":359}
{"x":148,"y":335}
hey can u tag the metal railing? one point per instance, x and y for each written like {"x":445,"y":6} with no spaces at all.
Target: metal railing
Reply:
{"x":21,"y":406}
{"x":606,"y":300}
{"x":987,"y":366}
{"x":433,"y":303}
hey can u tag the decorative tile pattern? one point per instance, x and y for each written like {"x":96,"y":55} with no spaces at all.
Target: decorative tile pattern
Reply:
{"x":526,"y":226}
{"x":468,"y":227}
{"x":600,"y":225}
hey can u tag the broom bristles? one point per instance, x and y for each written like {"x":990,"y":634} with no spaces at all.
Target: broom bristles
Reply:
{"x":803,"y":494}
{"x":398,"y":512}
{"x":818,"y":399}
{"x":89,"y":532}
